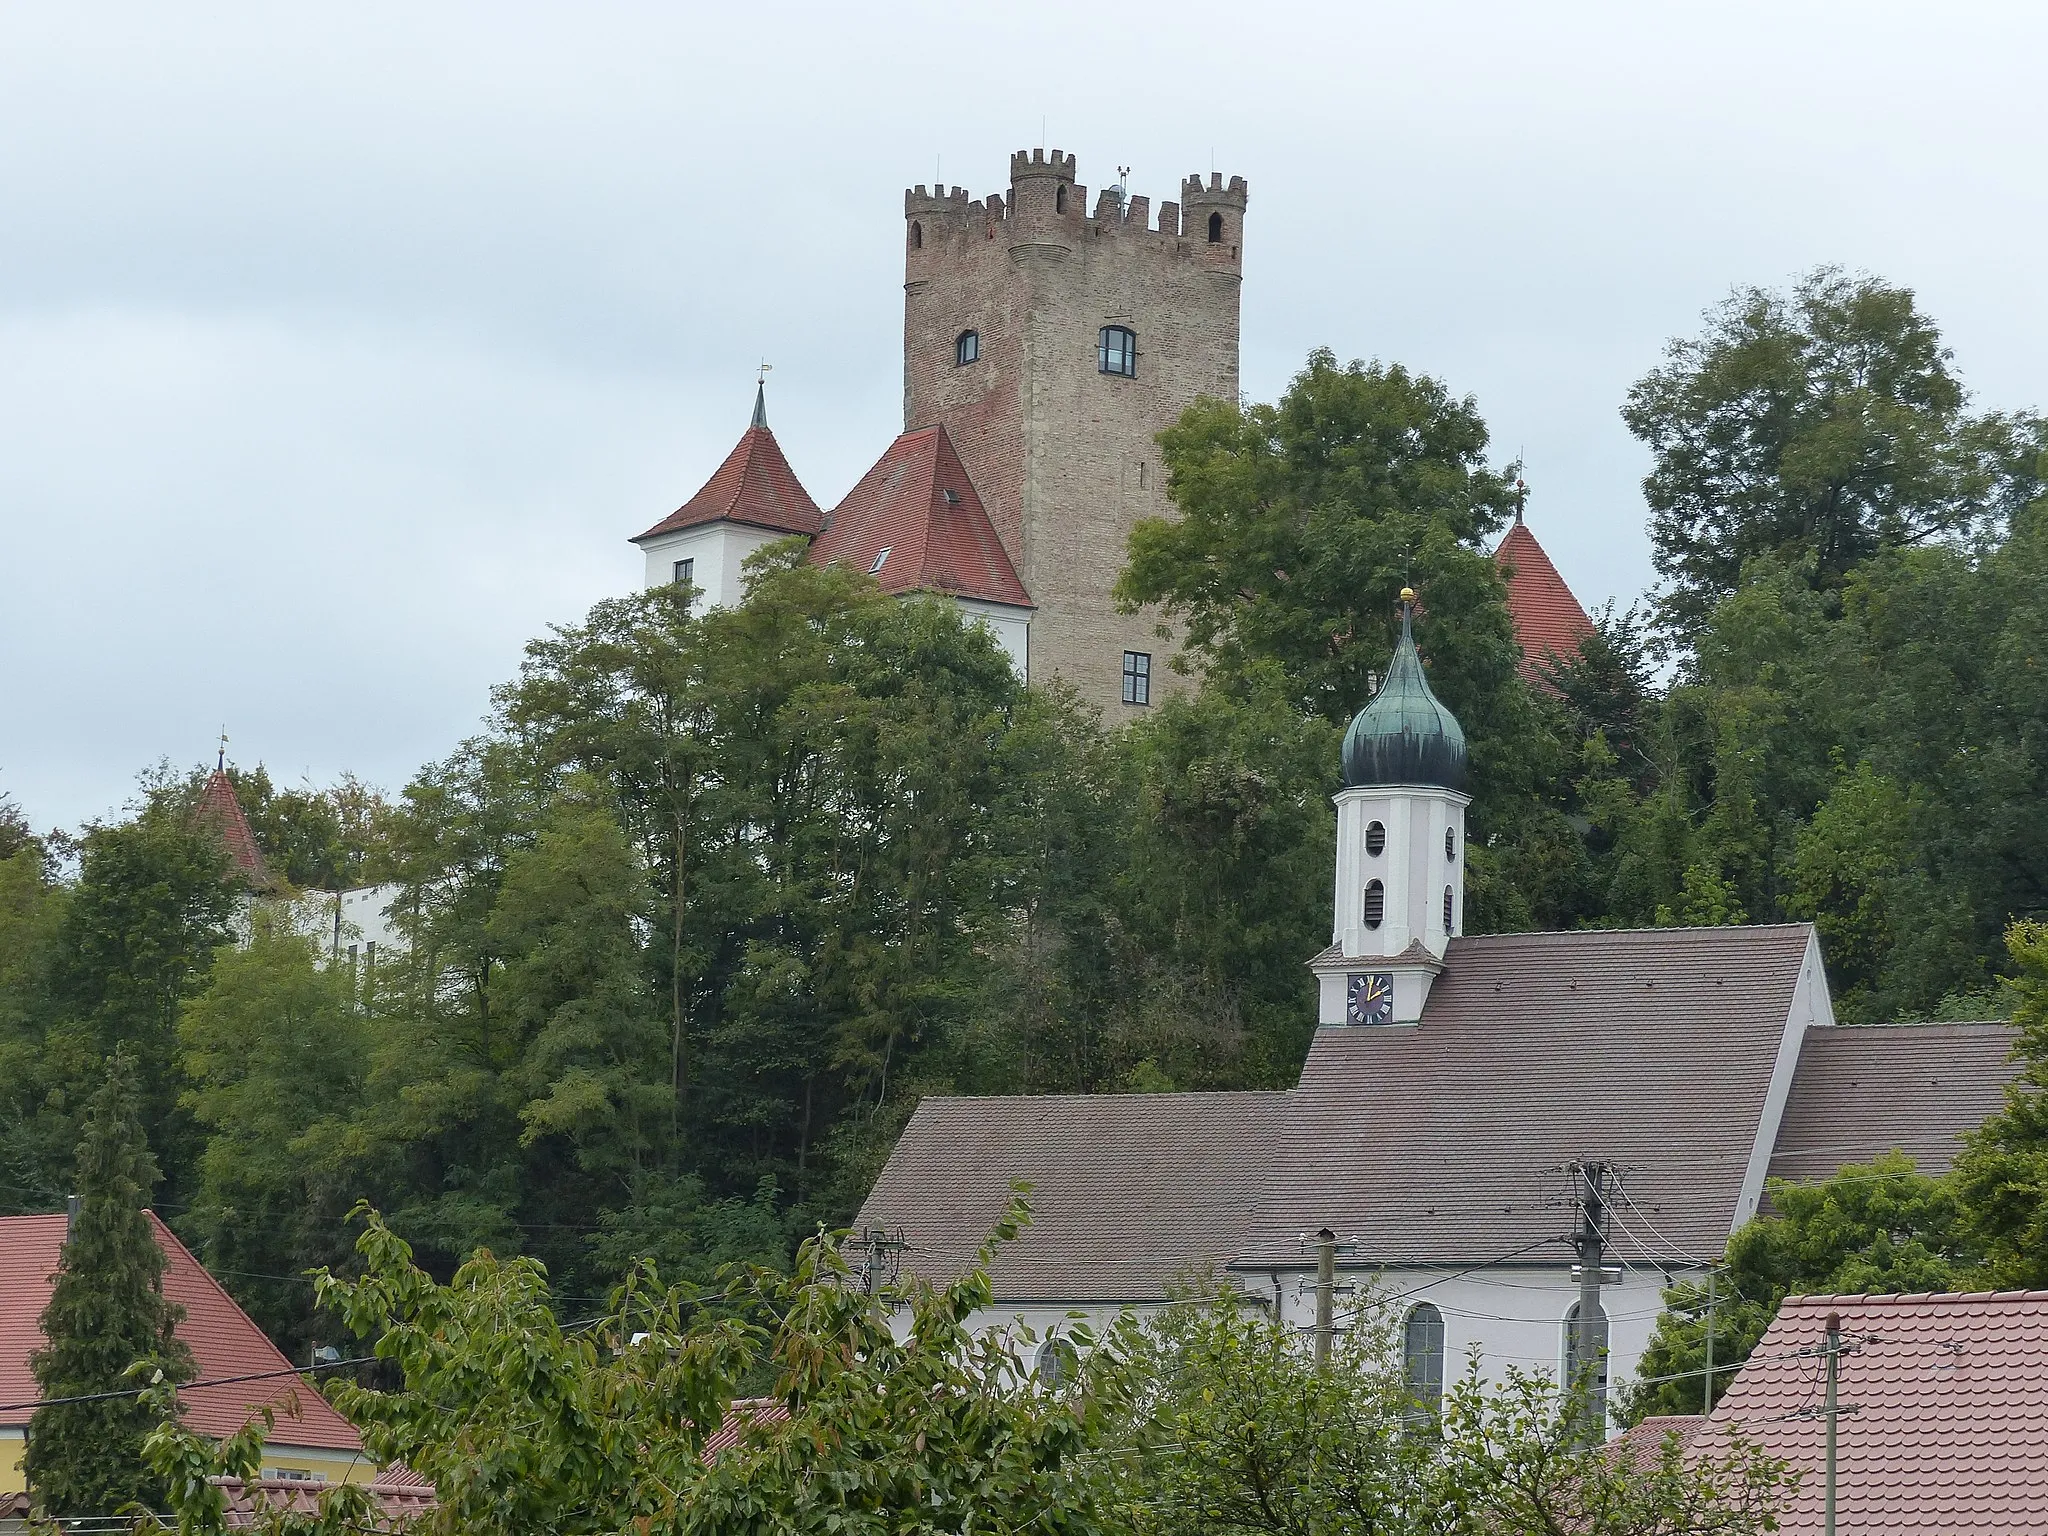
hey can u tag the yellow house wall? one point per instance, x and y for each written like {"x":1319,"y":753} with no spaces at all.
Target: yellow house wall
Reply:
{"x":332,"y":1466}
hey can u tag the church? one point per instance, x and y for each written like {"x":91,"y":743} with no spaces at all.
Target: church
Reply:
{"x":1461,"y":1096}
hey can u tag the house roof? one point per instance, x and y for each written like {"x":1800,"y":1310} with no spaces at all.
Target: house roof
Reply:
{"x":223,"y":1341}
{"x":1548,"y":620}
{"x":222,"y":811}
{"x":741,"y":1415}
{"x":755,"y":485}
{"x":1130,"y":1191}
{"x":1915,"y":1088}
{"x":1642,"y":1443}
{"x":1441,"y":1141}
{"x":919,"y":505}
{"x":1950,"y":1431}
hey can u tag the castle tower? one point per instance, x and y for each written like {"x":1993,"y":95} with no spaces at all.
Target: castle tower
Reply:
{"x":1400,"y":890}
{"x":1054,"y":345}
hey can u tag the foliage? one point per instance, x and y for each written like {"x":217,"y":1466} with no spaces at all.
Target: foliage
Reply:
{"x":1878,"y":1227}
{"x":2003,"y":1177}
{"x":106,"y":1312}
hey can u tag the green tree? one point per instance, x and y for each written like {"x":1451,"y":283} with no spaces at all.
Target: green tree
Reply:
{"x":1815,"y":427}
{"x":107,"y":1312}
{"x":2003,"y":1177}
{"x":1880,"y":1227}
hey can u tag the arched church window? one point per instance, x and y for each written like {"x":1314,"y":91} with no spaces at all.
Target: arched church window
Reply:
{"x":1375,"y":904}
{"x":1599,"y":1365}
{"x":1450,"y":842}
{"x":1215,"y":229}
{"x":1376,"y":839}
{"x":916,"y":235}
{"x":1118,"y":351}
{"x":1447,"y":908}
{"x":1422,"y":1357}
{"x":1054,"y":1362}
{"x":966,"y":348}
{"x":1059,"y":200}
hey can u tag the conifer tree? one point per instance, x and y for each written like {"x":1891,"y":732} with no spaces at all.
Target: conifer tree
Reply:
{"x":106,"y":1312}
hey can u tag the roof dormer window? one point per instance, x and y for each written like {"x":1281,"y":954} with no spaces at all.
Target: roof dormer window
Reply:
{"x":881,"y":558}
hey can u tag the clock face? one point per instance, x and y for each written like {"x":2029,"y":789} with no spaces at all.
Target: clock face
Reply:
{"x":1369,"y":999}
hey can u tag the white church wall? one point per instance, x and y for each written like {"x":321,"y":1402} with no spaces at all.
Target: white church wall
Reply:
{"x":1011,"y":627}
{"x":718,"y":553}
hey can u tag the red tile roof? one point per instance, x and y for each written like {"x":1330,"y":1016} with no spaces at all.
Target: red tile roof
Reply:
{"x":1548,"y":620}
{"x":1643,"y":1445}
{"x":918,"y":504}
{"x":220,"y":810}
{"x":399,"y":1501}
{"x":1950,"y":1432}
{"x":740,"y":1416}
{"x":223,"y":1341}
{"x":755,"y":485}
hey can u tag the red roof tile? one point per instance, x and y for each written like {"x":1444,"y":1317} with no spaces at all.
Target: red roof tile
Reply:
{"x":1548,"y":620}
{"x":918,"y":504}
{"x":740,"y":1416}
{"x":223,"y":1341}
{"x":755,"y":485}
{"x":1950,"y":1431}
{"x":219,"y":809}
{"x":1642,"y":1446}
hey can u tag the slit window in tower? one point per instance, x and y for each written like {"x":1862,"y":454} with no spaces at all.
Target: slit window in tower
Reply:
{"x":1376,"y":839}
{"x":916,"y":235}
{"x":1450,"y":842}
{"x":1447,"y":909}
{"x":1137,"y":677}
{"x":1059,"y":200}
{"x":1375,"y":903}
{"x":1215,"y":229}
{"x":967,"y":348}
{"x":1118,"y":351}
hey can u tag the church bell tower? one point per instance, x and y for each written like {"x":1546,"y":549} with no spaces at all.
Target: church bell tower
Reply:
{"x":1400,"y":890}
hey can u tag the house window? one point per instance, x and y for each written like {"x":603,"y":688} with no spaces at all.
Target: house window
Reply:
{"x":1571,"y":1358}
{"x":1118,"y":352}
{"x":1376,"y":838}
{"x":683,"y":572}
{"x":1422,"y":1358}
{"x":966,"y":348}
{"x":1137,"y":677}
{"x":881,"y":558}
{"x":1447,"y":909}
{"x":1215,"y":229}
{"x":1375,"y":903}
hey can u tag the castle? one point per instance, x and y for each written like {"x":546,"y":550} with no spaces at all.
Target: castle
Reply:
{"x":1045,"y":348}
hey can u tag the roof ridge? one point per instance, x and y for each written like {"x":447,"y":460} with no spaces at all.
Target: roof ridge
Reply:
{"x":1909,"y":1298}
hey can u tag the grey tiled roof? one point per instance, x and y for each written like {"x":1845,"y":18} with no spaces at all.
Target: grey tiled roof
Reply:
{"x":1906,"y":1087}
{"x":1444,"y":1141}
{"x":1131,"y":1190}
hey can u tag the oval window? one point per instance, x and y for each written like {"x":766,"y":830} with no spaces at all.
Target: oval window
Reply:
{"x":1375,"y":839}
{"x":1375,"y":904}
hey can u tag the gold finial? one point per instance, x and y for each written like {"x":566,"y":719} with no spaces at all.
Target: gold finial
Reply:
{"x":1407,"y":594}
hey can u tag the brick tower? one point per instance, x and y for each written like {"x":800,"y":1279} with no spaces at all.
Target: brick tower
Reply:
{"x":1054,"y":346}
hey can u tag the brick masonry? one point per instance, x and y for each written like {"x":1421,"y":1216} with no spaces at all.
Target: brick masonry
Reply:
{"x":1065,"y":456}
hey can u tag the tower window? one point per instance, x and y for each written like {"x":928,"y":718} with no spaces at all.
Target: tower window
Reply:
{"x":916,"y":235}
{"x":1375,"y":903}
{"x":1059,"y":199}
{"x":966,"y":348}
{"x":1450,"y":842}
{"x":1447,"y":909}
{"x":683,"y":572}
{"x":1137,"y":677}
{"x":881,"y":558}
{"x":1216,"y":238}
{"x":1422,"y":1358}
{"x":1118,"y":351}
{"x":1376,"y":839}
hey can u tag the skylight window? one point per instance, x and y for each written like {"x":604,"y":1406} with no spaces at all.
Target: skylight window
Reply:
{"x":880,"y":558}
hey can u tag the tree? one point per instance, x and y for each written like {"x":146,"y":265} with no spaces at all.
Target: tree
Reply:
{"x":1814,"y":428}
{"x":107,"y":1312}
{"x":1880,"y":1227}
{"x":2003,"y":1177}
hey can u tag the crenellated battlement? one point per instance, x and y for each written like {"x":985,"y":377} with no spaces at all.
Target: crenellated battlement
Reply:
{"x":1025,"y":164}
{"x":1235,"y":195}
{"x":1047,"y":205}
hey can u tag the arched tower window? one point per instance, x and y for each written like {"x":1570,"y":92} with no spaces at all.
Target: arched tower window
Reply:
{"x":1376,"y":838}
{"x":1215,"y":229}
{"x":1118,"y":351}
{"x":1059,"y":199}
{"x":916,"y":235}
{"x":1450,"y":842}
{"x":1375,"y":903}
{"x":966,"y":348}
{"x":1447,"y":909}
{"x":1422,"y":1357}
{"x":1571,"y":1357}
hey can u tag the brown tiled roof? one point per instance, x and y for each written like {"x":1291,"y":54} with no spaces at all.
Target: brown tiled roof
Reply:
{"x":755,"y":485}
{"x":919,"y":505}
{"x":399,"y":1499}
{"x":1132,"y":1191}
{"x":1642,"y":1445}
{"x":741,"y":1415}
{"x":223,"y":1341}
{"x":1549,"y":622}
{"x":1651,"y":1049}
{"x":221,"y":811}
{"x":1950,"y":1432}
{"x":1914,"y":1088}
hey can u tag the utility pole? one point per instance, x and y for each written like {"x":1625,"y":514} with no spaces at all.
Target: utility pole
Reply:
{"x":1707,"y":1394}
{"x":1833,"y":1352}
{"x":1326,"y":1294}
{"x":1588,"y":1337}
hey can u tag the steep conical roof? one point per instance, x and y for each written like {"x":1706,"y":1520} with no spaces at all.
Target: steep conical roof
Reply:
{"x":1405,"y":735}
{"x":220,"y":810}
{"x":755,"y":485}
{"x":1548,"y":620}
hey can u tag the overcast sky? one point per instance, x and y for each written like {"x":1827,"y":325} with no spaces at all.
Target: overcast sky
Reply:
{"x":342,"y":348}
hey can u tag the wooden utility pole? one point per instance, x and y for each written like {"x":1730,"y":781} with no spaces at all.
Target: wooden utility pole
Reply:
{"x":1589,"y":1344}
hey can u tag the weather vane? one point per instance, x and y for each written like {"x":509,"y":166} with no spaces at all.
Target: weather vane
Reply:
{"x":221,"y":761}
{"x":761,"y":373}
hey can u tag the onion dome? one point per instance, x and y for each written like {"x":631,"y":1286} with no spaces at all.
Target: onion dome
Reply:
{"x":1405,"y":735}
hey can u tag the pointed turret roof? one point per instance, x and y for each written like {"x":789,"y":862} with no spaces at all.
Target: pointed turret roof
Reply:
{"x":1549,"y":622}
{"x":918,"y":505}
{"x":755,"y":485}
{"x":222,"y":811}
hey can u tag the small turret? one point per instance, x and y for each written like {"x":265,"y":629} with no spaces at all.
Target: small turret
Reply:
{"x":1214,"y":214}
